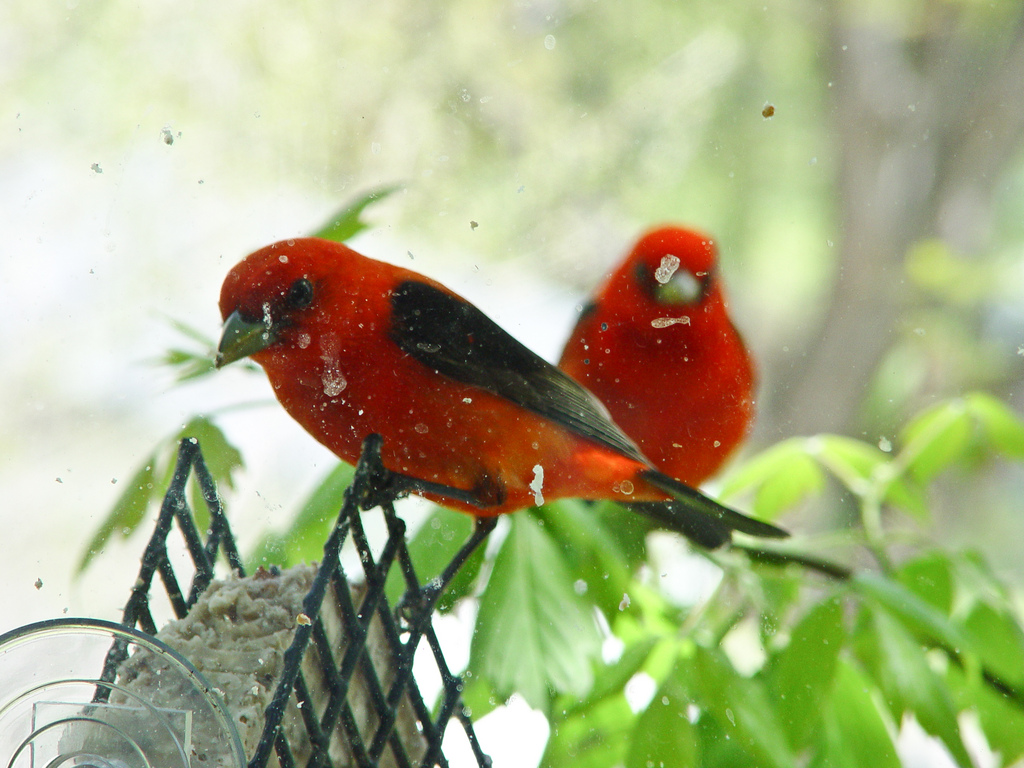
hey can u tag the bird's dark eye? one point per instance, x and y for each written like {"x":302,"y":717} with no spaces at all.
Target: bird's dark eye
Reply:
{"x":300,"y":295}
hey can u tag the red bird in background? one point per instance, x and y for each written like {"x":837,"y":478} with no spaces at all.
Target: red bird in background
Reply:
{"x":354,"y":346}
{"x":657,"y":347}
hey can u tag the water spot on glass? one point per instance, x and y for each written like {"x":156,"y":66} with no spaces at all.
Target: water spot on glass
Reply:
{"x":536,"y":484}
{"x":668,"y":266}
{"x":665,"y":322}
{"x":334,"y":383}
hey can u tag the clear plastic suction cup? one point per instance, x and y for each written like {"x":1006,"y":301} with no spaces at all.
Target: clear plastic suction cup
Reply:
{"x":157,"y":712}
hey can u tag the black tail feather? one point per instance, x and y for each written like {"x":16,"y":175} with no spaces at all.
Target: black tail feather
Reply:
{"x":702,"y":530}
{"x":691,"y":505}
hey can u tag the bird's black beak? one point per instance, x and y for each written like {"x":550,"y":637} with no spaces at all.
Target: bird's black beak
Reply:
{"x":242,"y":338}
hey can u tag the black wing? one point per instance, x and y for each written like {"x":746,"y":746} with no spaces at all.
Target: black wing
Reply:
{"x":456,"y":339}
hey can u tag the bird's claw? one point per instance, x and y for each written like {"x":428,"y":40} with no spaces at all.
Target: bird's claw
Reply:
{"x":417,"y":604}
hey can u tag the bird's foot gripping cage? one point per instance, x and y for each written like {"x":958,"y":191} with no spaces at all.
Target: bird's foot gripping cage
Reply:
{"x":335,"y":673}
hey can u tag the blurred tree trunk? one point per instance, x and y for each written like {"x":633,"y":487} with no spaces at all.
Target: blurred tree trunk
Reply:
{"x":926,"y":120}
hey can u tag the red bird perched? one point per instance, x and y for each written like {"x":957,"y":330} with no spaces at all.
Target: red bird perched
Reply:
{"x":656,"y":345}
{"x":354,"y":346}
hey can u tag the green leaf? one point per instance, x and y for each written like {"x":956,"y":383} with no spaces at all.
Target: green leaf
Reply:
{"x":780,"y":478}
{"x":861,"y":466}
{"x":189,"y":365}
{"x":801,"y":479}
{"x":848,"y":458}
{"x":593,"y":553}
{"x":757,"y":470}
{"x":976,"y":581}
{"x":741,"y":708}
{"x":930,"y":577}
{"x":935,"y":439}
{"x":999,"y":641}
{"x":801,"y":674}
{"x":1002,"y":427}
{"x":900,"y":668}
{"x":595,"y":739}
{"x":1001,"y":720}
{"x":628,"y":529}
{"x":303,"y":540}
{"x":917,"y":615}
{"x":127,"y":513}
{"x":610,"y":680}
{"x":907,"y":494}
{"x":663,"y":735}
{"x":533,"y":633}
{"x":347,"y":223}
{"x":854,"y":733}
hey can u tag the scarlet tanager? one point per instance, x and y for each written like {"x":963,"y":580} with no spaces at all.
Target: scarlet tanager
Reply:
{"x":657,"y":347}
{"x":354,"y":346}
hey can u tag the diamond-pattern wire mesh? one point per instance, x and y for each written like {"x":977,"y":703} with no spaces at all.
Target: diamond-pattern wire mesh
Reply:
{"x":372,"y":486}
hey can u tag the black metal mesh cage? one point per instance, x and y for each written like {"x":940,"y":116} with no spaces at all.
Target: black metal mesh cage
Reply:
{"x":330,"y":654}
